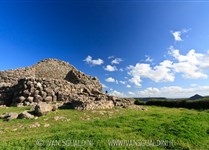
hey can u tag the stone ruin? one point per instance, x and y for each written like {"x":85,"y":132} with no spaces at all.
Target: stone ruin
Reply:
{"x":55,"y":82}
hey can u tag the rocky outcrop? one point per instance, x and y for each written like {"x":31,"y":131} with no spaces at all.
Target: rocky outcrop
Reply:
{"x":9,"y":116}
{"x":43,"y":108}
{"x":30,"y":90}
{"x":102,"y":101}
{"x":25,"y":115}
{"x":13,"y":115}
{"x":54,"y":82}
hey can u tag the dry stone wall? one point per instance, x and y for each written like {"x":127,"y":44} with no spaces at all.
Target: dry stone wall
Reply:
{"x":56,"y":69}
{"x":10,"y":77}
{"x":8,"y":80}
{"x":54,"y":81}
{"x":49,"y":69}
{"x":34,"y":90}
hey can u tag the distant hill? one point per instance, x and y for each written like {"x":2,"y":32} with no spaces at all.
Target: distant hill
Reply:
{"x":195,"y":97}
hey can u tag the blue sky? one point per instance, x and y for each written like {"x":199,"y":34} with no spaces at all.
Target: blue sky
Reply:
{"x":135,"y":48}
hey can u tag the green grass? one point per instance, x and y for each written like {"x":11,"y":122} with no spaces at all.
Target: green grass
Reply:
{"x":182,"y":128}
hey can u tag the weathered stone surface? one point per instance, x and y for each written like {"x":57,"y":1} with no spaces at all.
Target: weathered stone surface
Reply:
{"x":54,"y":81}
{"x":48,"y":99}
{"x":21,"y":99}
{"x":37,"y":98}
{"x":43,"y":108}
{"x":49,"y":91}
{"x":19,"y":105}
{"x":2,"y":116}
{"x":10,"y":116}
{"x":54,"y":98}
{"x":25,"y":115}
{"x":26,"y":103}
{"x":43,"y":94}
{"x":30,"y":99}
{"x":99,"y":102}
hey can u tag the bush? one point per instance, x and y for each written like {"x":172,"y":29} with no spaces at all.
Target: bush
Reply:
{"x":191,"y":104}
{"x":139,"y":102}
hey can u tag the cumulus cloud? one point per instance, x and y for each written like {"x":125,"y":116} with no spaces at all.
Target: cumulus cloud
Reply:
{"x":118,"y":94}
{"x":116,"y":61}
{"x":110,"y":79}
{"x":128,"y":86}
{"x":93,"y":62}
{"x":172,"y":91}
{"x":159,"y":73}
{"x":136,"y":80}
{"x":192,"y":65}
{"x":110,"y":68}
{"x":131,"y":93}
{"x":177,"y":34}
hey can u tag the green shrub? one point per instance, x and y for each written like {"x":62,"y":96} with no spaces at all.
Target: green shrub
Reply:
{"x":139,"y":102}
{"x":190,"y":104}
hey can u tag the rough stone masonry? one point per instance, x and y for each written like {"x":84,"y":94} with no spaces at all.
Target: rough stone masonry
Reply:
{"x":55,"y":82}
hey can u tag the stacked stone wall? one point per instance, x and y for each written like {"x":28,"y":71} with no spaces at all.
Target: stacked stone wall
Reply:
{"x":47,"y":69}
{"x":9,"y":78}
{"x":55,"y":81}
{"x":35,"y":90}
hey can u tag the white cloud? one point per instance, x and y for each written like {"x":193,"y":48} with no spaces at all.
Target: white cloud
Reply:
{"x":116,"y":61}
{"x":149,"y":92}
{"x":93,"y":62}
{"x":104,"y":86}
{"x":110,"y":79}
{"x":177,"y":35}
{"x":192,"y":65}
{"x":159,"y":73}
{"x":128,"y":86}
{"x":121,"y":69}
{"x":136,"y":79}
{"x":172,"y":92}
{"x":131,"y":93}
{"x":116,"y":81}
{"x":122,"y":82}
{"x":118,"y":94}
{"x":111,"y":68}
{"x":148,"y":59}
{"x":111,"y":57}
{"x":193,"y":84}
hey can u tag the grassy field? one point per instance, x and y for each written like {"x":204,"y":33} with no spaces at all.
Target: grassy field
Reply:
{"x":156,"y":128}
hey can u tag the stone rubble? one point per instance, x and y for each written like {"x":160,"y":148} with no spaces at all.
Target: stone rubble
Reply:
{"x":52,"y":83}
{"x":25,"y":115}
{"x":43,"y":108}
{"x":10,"y":116}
